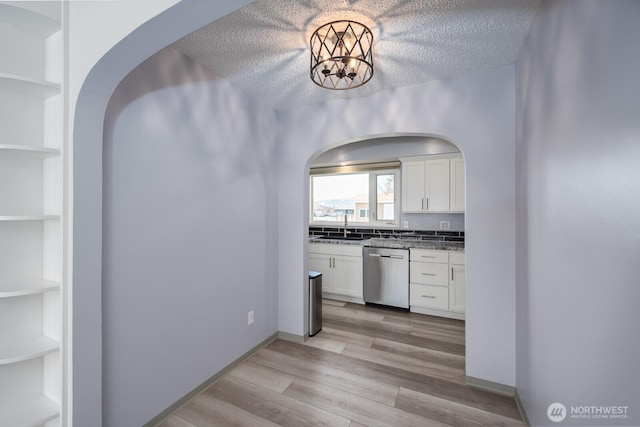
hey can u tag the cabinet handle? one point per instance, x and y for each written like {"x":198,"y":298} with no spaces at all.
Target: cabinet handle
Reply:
{"x":422,"y":206}
{"x":427,"y":203}
{"x":428,"y":296}
{"x":428,"y":274}
{"x":427,"y":256}
{"x":451,"y":273}
{"x":334,"y":262}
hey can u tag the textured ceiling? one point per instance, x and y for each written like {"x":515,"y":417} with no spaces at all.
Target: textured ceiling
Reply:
{"x":263,"y":48}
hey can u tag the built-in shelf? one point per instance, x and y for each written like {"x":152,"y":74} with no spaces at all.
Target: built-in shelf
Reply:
{"x":32,"y":380}
{"x":14,"y":352}
{"x":31,"y":150}
{"x":31,"y":413}
{"x":31,"y":287}
{"x":19,"y":15}
{"x":38,"y":88}
{"x":30,"y":218}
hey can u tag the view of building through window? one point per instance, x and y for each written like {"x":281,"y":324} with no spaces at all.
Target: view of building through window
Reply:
{"x":385,"y":197}
{"x":334,"y":196}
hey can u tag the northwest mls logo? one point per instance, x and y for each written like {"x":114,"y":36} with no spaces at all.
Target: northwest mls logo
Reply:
{"x":556,"y":412}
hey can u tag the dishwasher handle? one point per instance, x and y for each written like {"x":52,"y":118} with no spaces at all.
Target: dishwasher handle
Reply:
{"x":387,"y":256}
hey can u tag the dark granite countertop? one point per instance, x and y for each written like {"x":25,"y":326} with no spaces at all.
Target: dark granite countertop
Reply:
{"x":395,"y":243}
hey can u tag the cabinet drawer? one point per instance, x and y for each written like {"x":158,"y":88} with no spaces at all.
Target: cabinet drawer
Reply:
{"x":429,"y":273}
{"x":425,"y":255}
{"x":456,"y":258}
{"x":334,"y":249}
{"x":429,"y":296}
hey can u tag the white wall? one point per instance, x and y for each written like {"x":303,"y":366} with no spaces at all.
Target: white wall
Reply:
{"x":189,"y":203}
{"x":475,"y":112}
{"x":96,"y":26}
{"x":578,"y":137}
{"x":106,"y":41}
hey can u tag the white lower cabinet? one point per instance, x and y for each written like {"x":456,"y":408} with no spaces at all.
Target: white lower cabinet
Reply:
{"x":429,"y":296}
{"x":429,"y":273}
{"x":436,"y":283}
{"x":457,"y":283}
{"x":324,"y":264}
{"x":341,"y":268}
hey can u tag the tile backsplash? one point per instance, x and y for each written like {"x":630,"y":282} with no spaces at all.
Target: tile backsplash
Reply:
{"x":367,"y":233}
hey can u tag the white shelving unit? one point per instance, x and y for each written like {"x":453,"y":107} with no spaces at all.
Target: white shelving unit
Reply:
{"x":39,"y":152}
{"x":37,"y":88}
{"x":31,"y":213}
{"x":26,"y":349}
{"x":31,"y":413}
{"x":30,"y":287}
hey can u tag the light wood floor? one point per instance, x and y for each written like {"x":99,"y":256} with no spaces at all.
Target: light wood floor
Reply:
{"x":368,"y":367}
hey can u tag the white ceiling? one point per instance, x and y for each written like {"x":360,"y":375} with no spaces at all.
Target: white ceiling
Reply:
{"x":263,"y":47}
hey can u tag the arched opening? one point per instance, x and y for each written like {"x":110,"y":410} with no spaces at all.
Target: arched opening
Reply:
{"x":376,"y":150}
{"x":455,"y":107}
{"x":88,"y":126}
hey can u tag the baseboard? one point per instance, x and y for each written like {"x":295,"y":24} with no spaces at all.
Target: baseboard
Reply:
{"x":497,"y":388}
{"x":164,"y":415}
{"x":292,"y":337}
{"x":343,"y":298}
{"x":439,"y":313}
{"x":523,"y":413}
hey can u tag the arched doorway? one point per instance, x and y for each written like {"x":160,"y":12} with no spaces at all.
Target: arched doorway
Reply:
{"x":380,"y":150}
{"x":88,"y":124}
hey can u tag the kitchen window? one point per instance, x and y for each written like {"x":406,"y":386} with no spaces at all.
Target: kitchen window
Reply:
{"x":366,"y":195}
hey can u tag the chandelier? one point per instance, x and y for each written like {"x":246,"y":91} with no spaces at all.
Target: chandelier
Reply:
{"x":341,"y":55}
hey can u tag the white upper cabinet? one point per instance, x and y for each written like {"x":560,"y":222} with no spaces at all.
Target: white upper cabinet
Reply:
{"x":456,"y":185}
{"x":413,"y":186}
{"x":427,"y":184}
{"x":437,"y":185}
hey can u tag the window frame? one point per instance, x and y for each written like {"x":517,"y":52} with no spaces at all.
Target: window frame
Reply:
{"x":373,"y":173}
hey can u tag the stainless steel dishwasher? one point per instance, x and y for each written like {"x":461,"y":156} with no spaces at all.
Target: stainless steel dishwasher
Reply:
{"x":386,"y":276}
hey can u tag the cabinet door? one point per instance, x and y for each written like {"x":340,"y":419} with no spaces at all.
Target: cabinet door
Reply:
{"x":413,"y":181}
{"x":323,"y":264}
{"x":456,"y":185}
{"x":347,"y":276}
{"x":457,"y":288}
{"x":437,"y":185}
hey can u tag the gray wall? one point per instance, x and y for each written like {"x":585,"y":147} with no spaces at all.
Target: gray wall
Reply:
{"x":189,"y":211}
{"x":476,"y":112}
{"x":578,"y":210}
{"x":378,"y":149}
{"x":98,"y":83}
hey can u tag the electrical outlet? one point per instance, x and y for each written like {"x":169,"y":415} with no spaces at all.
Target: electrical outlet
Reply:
{"x":406,"y":224}
{"x":445,"y":225}
{"x":250,"y":318}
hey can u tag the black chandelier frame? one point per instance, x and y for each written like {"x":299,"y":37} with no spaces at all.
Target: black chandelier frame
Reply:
{"x":341,"y":55}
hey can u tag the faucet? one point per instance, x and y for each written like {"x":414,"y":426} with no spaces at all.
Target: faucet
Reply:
{"x":345,"y":225}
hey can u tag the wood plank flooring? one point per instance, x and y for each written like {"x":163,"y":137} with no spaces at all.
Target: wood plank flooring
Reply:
{"x":368,"y":366}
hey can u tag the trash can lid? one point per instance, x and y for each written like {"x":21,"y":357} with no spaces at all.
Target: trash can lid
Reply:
{"x":314,"y":274}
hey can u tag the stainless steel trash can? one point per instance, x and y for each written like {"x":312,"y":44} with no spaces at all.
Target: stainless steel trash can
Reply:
{"x":315,"y":302}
